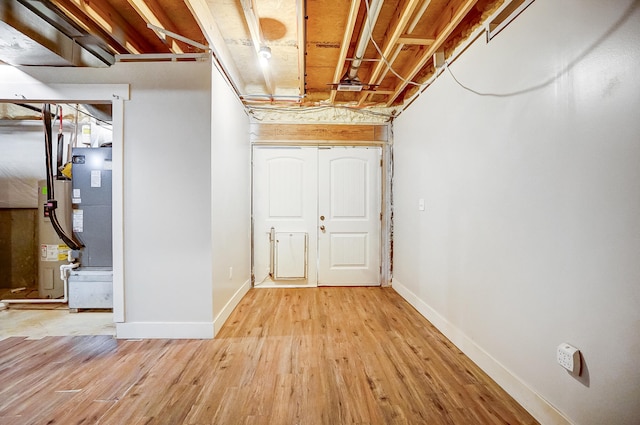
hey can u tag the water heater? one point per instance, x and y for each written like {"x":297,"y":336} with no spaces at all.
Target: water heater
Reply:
{"x":53,"y":251}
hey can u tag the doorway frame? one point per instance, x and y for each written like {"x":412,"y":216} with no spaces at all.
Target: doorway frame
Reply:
{"x":335,"y":135}
{"x":36,"y":91}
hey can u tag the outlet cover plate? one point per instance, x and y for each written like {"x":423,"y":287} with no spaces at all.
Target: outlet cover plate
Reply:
{"x":569,"y":357}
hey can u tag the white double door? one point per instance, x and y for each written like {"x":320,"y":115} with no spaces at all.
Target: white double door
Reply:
{"x":317,"y":216}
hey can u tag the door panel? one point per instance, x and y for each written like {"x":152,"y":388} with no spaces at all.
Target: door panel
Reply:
{"x":285,"y":200}
{"x":349,"y":216}
{"x":316,"y":216}
{"x":285,"y":177}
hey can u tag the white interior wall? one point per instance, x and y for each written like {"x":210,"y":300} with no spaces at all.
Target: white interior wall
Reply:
{"x":166,"y":189}
{"x":230,"y":210}
{"x":22,"y":164}
{"x":167,"y":200}
{"x":531,"y":233}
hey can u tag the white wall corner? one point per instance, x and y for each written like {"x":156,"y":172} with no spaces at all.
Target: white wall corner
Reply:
{"x":164,"y":330}
{"x":537,"y":406}
{"x":229,"y":306}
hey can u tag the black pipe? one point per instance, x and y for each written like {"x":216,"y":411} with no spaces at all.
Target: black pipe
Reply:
{"x":52,"y":204}
{"x":59,"y":175}
{"x":46,"y":112}
{"x":35,"y":109}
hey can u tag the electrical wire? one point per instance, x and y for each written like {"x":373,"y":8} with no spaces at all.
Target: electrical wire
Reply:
{"x":567,"y":68}
{"x":384,"y":59}
{"x":60,"y":145}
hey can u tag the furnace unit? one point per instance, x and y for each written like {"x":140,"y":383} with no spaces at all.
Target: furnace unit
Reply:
{"x":91,"y":285}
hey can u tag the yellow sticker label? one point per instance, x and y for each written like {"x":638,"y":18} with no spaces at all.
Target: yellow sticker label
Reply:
{"x":63,"y":252}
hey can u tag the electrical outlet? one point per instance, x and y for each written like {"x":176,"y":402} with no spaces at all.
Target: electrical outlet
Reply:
{"x":569,"y":358}
{"x":230,"y":272}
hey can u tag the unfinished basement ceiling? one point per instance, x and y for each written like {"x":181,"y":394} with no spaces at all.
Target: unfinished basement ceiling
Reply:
{"x":312,"y":43}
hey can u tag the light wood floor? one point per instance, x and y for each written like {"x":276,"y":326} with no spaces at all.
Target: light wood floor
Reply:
{"x":286,"y":356}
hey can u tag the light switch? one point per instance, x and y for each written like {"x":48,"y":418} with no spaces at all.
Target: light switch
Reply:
{"x":421,"y":204}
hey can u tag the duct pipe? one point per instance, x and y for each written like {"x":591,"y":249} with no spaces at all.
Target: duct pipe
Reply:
{"x":64,"y":275}
{"x":373,"y":10}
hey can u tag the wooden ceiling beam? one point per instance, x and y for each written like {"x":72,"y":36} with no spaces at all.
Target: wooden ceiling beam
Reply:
{"x":301,"y":13}
{"x":73,"y":12}
{"x":253,"y":22}
{"x":202,"y":14}
{"x":378,"y":91}
{"x":344,"y":46}
{"x":108,"y":19}
{"x":390,"y":47}
{"x":456,"y":16}
{"x":149,"y":17}
{"x":416,"y":41}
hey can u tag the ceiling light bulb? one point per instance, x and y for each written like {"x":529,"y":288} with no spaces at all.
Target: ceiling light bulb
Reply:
{"x":264,"y":54}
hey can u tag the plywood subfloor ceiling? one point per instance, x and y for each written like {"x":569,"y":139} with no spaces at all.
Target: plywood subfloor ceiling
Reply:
{"x":350,"y":53}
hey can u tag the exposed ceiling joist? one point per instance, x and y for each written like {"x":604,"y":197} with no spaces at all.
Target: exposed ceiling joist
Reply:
{"x":356,"y":53}
{"x":450,"y":22}
{"x":418,"y":41}
{"x":344,"y":47}
{"x":202,"y":13}
{"x":150,"y":17}
{"x":302,"y":30}
{"x":73,"y":12}
{"x":253,"y":22}
{"x":391,"y":48}
{"x":109,"y":20}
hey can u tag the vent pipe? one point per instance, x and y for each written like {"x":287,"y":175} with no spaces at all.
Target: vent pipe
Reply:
{"x":373,"y":10}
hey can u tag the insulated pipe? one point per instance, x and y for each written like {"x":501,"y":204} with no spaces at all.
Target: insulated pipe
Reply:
{"x":64,"y":275}
{"x":373,"y":10}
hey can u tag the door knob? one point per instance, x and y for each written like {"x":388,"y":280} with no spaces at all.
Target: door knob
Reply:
{"x":322,"y":228}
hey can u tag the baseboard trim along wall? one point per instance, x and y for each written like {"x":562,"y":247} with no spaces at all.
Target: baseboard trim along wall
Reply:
{"x":537,"y":406}
{"x":228,"y":308}
{"x":169,"y":330}
{"x":181,"y":330}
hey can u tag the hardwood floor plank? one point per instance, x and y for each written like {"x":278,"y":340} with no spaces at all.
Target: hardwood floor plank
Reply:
{"x":285,"y":356}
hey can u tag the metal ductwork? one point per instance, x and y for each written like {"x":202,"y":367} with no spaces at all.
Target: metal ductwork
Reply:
{"x":33,"y":32}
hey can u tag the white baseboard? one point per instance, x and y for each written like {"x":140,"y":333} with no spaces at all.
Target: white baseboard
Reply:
{"x":168,"y":330}
{"x":181,"y":330}
{"x":537,"y":406}
{"x":228,"y":308}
